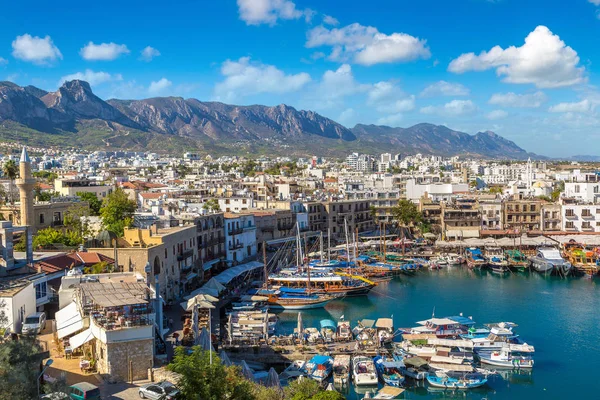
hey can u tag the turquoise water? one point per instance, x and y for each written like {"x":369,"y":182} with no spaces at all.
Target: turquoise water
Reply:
{"x":560,"y":317}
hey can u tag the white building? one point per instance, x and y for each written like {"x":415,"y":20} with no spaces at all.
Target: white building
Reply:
{"x":436,"y":191}
{"x":587,"y":192}
{"x":580,"y":217}
{"x":235,"y":204}
{"x":240,"y":237}
{"x":17,"y":301}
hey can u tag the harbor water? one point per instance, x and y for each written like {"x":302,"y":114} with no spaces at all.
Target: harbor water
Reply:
{"x":560,"y":317}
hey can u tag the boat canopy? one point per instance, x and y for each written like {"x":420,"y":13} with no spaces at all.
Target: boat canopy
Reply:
{"x":393,"y":364}
{"x":367,"y":323}
{"x":416,"y":362}
{"x":437,"y":321}
{"x":387,"y":323}
{"x":389,"y":392}
{"x":462,"y":320}
{"x":320,"y":359}
{"x":452,"y":367}
{"x":284,"y":289}
{"x":327,"y":323}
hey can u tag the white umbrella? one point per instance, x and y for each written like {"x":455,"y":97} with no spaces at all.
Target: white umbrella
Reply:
{"x":272,"y":379}
{"x":246,"y":371}
{"x":225,"y":359}
{"x":204,"y":340}
{"x":230,"y":329}
{"x":300,"y":327}
{"x":195,"y":324}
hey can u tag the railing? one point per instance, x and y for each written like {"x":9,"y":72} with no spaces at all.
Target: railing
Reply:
{"x":286,"y":227}
{"x":185,"y":254}
{"x":236,"y":231}
{"x":236,"y":246}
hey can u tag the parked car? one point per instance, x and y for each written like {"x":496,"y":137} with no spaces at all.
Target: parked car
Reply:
{"x":159,"y":391}
{"x":84,"y":391}
{"x":34,"y":323}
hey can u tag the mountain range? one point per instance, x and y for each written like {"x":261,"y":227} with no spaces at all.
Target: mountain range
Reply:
{"x":74,"y":116}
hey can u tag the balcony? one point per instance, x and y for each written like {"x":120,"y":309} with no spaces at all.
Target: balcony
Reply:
{"x":571,"y":216}
{"x":286,"y":227}
{"x":236,"y":231}
{"x":267,"y":228}
{"x":587,"y":216}
{"x":236,"y":246}
{"x":249,"y":228}
{"x":185,"y":254}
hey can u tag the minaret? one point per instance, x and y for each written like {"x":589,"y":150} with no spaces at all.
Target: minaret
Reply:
{"x":26,"y":183}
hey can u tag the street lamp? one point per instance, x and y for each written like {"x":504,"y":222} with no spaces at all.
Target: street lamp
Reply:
{"x":48,"y":363}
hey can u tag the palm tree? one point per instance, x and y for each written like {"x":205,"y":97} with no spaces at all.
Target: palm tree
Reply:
{"x":11,"y":171}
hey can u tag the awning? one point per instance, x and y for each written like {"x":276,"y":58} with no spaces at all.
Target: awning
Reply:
{"x":190,"y":276}
{"x":68,"y":321}
{"x":327,"y":323}
{"x":233,"y":272}
{"x":81,"y":338}
{"x":209,"y":264}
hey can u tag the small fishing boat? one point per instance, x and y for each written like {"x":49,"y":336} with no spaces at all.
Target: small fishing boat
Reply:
{"x":293,"y":371}
{"x":385,"y":329}
{"x":415,"y":368}
{"x":505,"y":358}
{"x":475,"y":258}
{"x":363,"y":371}
{"x":389,"y":370}
{"x":328,"y":330}
{"x":548,"y":260}
{"x":284,"y":301}
{"x":517,"y":260}
{"x":341,"y":369}
{"x":344,"y":333}
{"x":318,"y":368}
{"x":456,"y":380}
{"x":497,"y":262}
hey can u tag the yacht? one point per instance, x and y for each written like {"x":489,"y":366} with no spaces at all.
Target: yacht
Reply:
{"x":318,"y":368}
{"x":506,"y":358}
{"x":363,"y":371}
{"x":548,"y":260}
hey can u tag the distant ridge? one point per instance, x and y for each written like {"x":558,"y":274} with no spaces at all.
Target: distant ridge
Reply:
{"x":75,"y":116}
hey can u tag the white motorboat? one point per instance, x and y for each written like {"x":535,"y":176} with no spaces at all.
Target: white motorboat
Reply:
{"x":548,"y":260}
{"x":341,"y":369}
{"x":505,"y":358}
{"x":363,"y":371}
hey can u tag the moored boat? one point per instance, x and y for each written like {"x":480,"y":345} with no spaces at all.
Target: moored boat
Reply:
{"x":517,"y":260}
{"x":475,"y":258}
{"x":548,"y":260}
{"x":389,"y":370}
{"x":497,"y":262}
{"x":319,"y":367}
{"x":456,"y":380}
{"x":341,"y":369}
{"x":363,"y":371}
{"x":505,"y":358}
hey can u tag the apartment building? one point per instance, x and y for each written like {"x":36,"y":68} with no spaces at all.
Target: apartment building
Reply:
{"x":240,"y":237}
{"x":522,"y":214}
{"x":273,"y":224}
{"x":72,"y":186}
{"x":355,"y":214}
{"x":461,"y":218}
{"x":47,"y":214}
{"x":383,"y":201}
{"x":432,"y":211}
{"x":211,"y":239}
{"x":491,"y":213}
{"x":551,"y":217}
{"x":580,"y":217}
{"x":235,"y":204}
{"x":587,"y":192}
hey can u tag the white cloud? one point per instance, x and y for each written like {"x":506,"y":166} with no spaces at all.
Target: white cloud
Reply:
{"x":256,"y":12}
{"x":381,"y":91}
{"x":443,"y":88}
{"x":35,"y":49}
{"x":582,"y":106}
{"x":149,"y":53}
{"x":3,"y":61}
{"x":496,"y":114}
{"x":103,"y":51}
{"x":390,"y":120}
{"x":365,"y":45}
{"x":389,"y":98}
{"x":398,"y":106}
{"x":453,"y":108}
{"x":337,"y":84}
{"x":244,"y":78}
{"x":317,"y":55}
{"x":544,"y":60}
{"x":91,"y":77}
{"x":329,"y":20}
{"x":531,"y":100}
{"x":595,"y":2}
{"x":157,"y":87}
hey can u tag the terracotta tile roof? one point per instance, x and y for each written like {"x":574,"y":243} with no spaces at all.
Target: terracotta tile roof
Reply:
{"x":128,"y":185}
{"x":44,"y":186}
{"x":66,"y":261}
{"x":151,"y":195}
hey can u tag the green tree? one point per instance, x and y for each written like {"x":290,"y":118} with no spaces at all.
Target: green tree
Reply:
{"x":212,"y":205}
{"x":19,"y":368}
{"x":49,"y":236}
{"x":560,"y":187}
{"x":406,"y":213}
{"x":303,"y":389}
{"x":11,"y":171}
{"x":117,"y":211}
{"x":328,"y":395}
{"x":100,"y":268}
{"x":76,"y":219}
{"x":202,"y":380}
{"x":46,"y":175}
{"x":93,"y":200}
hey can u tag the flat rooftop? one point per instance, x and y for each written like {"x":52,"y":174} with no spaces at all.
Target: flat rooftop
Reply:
{"x":115,"y":294}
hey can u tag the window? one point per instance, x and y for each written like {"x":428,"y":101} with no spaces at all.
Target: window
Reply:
{"x":569,"y":212}
{"x":586,"y":212}
{"x":596,"y":189}
{"x":570,"y":225}
{"x":41,"y":290}
{"x":532,"y":208}
{"x":586,"y":225}
{"x":165,"y":253}
{"x":577,"y":189}
{"x":41,"y":218}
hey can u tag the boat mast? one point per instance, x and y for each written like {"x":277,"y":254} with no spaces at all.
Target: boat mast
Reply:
{"x":347,"y":245}
{"x":356,"y":245}
{"x":384,"y":243}
{"x":265,"y":262}
{"x":328,"y":244}
{"x":307,"y":267}
{"x":321,"y":246}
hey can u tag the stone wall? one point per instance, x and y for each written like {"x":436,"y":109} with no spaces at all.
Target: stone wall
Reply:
{"x":114,"y":359}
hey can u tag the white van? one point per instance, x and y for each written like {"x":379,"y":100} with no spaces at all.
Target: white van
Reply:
{"x":34,"y":323}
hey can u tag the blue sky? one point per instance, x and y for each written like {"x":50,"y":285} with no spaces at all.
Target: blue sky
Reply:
{"x":525,"y":69}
